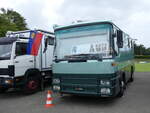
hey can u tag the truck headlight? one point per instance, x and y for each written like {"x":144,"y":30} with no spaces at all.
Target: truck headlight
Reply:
{"x":56,"y":88}
{"x":56,"y":81}
{"x":8,"y":81}
{"x":105,"y":82}
{"x":105,"y":91}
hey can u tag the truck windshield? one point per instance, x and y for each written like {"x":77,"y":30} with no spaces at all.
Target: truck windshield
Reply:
{"x":5,"y":51}
{"x":85,"y":42}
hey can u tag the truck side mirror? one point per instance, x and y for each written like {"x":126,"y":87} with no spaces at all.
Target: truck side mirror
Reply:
{"x":120,"y":39}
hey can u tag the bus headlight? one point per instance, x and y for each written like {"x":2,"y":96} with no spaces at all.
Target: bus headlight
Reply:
{"x":105,"y":90}
{"x":105,"y":82}
{"x":56,"y":81}
{"x":56,"y":88}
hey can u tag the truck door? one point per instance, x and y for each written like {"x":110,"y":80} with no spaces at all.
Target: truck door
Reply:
{"x":22,"y":61}
{"x":47,"y":52}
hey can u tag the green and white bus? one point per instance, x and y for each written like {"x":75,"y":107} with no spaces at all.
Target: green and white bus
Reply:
{"x":92,"y":58}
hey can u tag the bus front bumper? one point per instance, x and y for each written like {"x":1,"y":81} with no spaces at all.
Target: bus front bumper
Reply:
{"x":96,"y":86}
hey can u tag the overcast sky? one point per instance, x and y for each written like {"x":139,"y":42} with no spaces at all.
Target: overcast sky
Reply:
{"x":132,"y":16}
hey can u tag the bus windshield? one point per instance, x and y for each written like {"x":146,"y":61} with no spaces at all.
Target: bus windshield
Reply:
{"x":5,"y":51}
{"x":88,"y":42}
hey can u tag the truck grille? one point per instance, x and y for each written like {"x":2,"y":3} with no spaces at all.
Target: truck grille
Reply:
{"x":4,"y":71}
{"x":1,"y":80}
{"x":8,"y":71}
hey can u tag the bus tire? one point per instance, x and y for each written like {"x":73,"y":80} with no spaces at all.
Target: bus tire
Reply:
{"x":122,"y":88}
{"x":32,"y":85}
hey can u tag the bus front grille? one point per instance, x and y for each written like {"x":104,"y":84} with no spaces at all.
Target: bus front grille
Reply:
{"x":79,"y":85}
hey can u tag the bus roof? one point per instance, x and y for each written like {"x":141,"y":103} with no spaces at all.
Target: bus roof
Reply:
{"x":84,"y":23}
{"x":80,"y":23}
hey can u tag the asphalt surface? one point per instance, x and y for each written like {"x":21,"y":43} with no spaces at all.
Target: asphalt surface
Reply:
{"x":135,"y":100}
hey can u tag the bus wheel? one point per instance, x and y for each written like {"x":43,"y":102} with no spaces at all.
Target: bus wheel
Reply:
{"x":122,"y":88}
{"x":32,"y":85}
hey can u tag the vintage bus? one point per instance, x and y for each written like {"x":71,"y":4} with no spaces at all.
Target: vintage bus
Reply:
{"x":92,"y":58}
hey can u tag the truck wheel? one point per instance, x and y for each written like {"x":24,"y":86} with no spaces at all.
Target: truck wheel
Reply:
{"x":3,"y":90}
{"x":122,"y":88}
{"x":32,"y":85}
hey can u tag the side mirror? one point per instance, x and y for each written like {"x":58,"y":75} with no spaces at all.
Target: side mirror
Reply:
{"x":120,"y":38}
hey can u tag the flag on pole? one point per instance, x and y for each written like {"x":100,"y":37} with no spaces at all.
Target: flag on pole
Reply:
{"x":34,"y":43}
{"x":31,"y":39}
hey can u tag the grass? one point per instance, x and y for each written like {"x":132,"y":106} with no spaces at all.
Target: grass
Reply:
{"x":142,"y":67}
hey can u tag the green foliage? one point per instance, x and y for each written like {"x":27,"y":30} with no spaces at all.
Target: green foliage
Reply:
{"x":5,"y":25}
{"x":141,"y":50}
{"x":142,"y":56}
{"x":11,"y":21}
{"x":145,"y":67}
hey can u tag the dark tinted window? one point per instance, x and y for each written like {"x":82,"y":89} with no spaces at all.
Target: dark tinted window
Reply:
{"x":21,"y":49}
{"x":51,"y":41}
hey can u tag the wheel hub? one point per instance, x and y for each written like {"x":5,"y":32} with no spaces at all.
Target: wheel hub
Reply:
{"x":32,"y":84}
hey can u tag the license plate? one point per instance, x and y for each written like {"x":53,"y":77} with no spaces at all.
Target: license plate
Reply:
{"x":79,"y":89}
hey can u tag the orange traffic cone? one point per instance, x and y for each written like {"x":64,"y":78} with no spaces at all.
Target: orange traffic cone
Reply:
{"x":49,"y":100}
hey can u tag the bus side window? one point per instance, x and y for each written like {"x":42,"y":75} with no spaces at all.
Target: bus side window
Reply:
{"x":129,"y":43}
{"x":21,"y":49}
{"x":132,"y":44}
{"x":125,"y":41}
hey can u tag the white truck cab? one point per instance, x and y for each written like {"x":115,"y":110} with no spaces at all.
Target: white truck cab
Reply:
{"x":21,"y":70}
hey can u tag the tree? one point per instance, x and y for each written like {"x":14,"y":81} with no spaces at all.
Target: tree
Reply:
{"x":141,"y":50}
{"x":11,"y":21}
{"x":147,"y":51}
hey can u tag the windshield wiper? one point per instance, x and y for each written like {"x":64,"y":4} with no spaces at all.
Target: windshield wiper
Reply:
{"x":81,"y":58}
{"x":85,"y":56}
